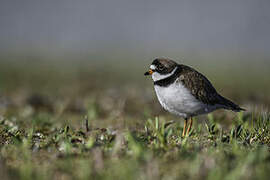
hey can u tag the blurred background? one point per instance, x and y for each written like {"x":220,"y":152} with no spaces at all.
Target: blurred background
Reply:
{"x":63,"y":62}
{"x":57,"y":54}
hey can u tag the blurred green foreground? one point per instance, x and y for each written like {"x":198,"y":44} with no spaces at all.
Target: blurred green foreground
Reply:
{"x":100,"y":119}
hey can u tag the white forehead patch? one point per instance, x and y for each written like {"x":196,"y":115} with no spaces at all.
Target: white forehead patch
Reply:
{"x":153,"y":67}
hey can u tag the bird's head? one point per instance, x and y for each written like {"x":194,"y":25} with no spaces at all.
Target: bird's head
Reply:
{"x":161,"y":68}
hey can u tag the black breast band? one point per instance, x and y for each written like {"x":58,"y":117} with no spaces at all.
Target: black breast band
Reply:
{"x":169,"y":80}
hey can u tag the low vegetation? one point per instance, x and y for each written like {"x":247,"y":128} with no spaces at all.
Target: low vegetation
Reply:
{"x":69,"y":125}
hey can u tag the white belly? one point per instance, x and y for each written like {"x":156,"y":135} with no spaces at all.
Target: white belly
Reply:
{"x":178,"y":100}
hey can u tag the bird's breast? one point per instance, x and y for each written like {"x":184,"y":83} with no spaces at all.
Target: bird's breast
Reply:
{"x":177,"y":99}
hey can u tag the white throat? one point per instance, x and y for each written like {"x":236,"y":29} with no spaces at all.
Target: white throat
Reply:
{"x":156,"y":76}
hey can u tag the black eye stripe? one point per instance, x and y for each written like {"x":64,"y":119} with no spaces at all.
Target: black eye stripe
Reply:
{"x":164,"y":66}
{"x":157,"y":64}
{"x":160,"y":68}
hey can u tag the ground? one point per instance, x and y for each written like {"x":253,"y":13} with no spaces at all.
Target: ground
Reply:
{"x":79,"y":121}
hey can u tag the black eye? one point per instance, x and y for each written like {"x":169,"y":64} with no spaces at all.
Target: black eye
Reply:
{"x":160,"y":67}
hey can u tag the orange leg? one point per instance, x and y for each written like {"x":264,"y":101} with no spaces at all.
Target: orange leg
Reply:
{"x":190,"y":125}
{"x":184,"y":129}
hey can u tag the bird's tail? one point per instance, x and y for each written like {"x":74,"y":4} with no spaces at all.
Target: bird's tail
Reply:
{"x":230,"y":105}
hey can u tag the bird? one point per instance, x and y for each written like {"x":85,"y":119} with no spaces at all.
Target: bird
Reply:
{"x":185,"y":92}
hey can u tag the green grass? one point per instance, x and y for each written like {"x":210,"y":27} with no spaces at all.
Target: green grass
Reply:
{"x":156,"y":150}
{"x":44,"y":135}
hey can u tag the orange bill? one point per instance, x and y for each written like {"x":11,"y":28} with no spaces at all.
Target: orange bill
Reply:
{"x":150,"y":72}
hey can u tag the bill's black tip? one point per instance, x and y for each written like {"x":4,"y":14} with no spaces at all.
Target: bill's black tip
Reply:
{"x":146,"y":73}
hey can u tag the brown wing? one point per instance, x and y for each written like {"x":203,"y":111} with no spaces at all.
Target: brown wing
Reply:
{"x":199,"y":85}
{"x":202,"y":89}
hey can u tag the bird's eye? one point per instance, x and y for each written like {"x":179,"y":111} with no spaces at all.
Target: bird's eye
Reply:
{"x":160,"y":68}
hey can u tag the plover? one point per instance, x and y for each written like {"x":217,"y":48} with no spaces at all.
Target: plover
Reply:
{"x":185,"y":92}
